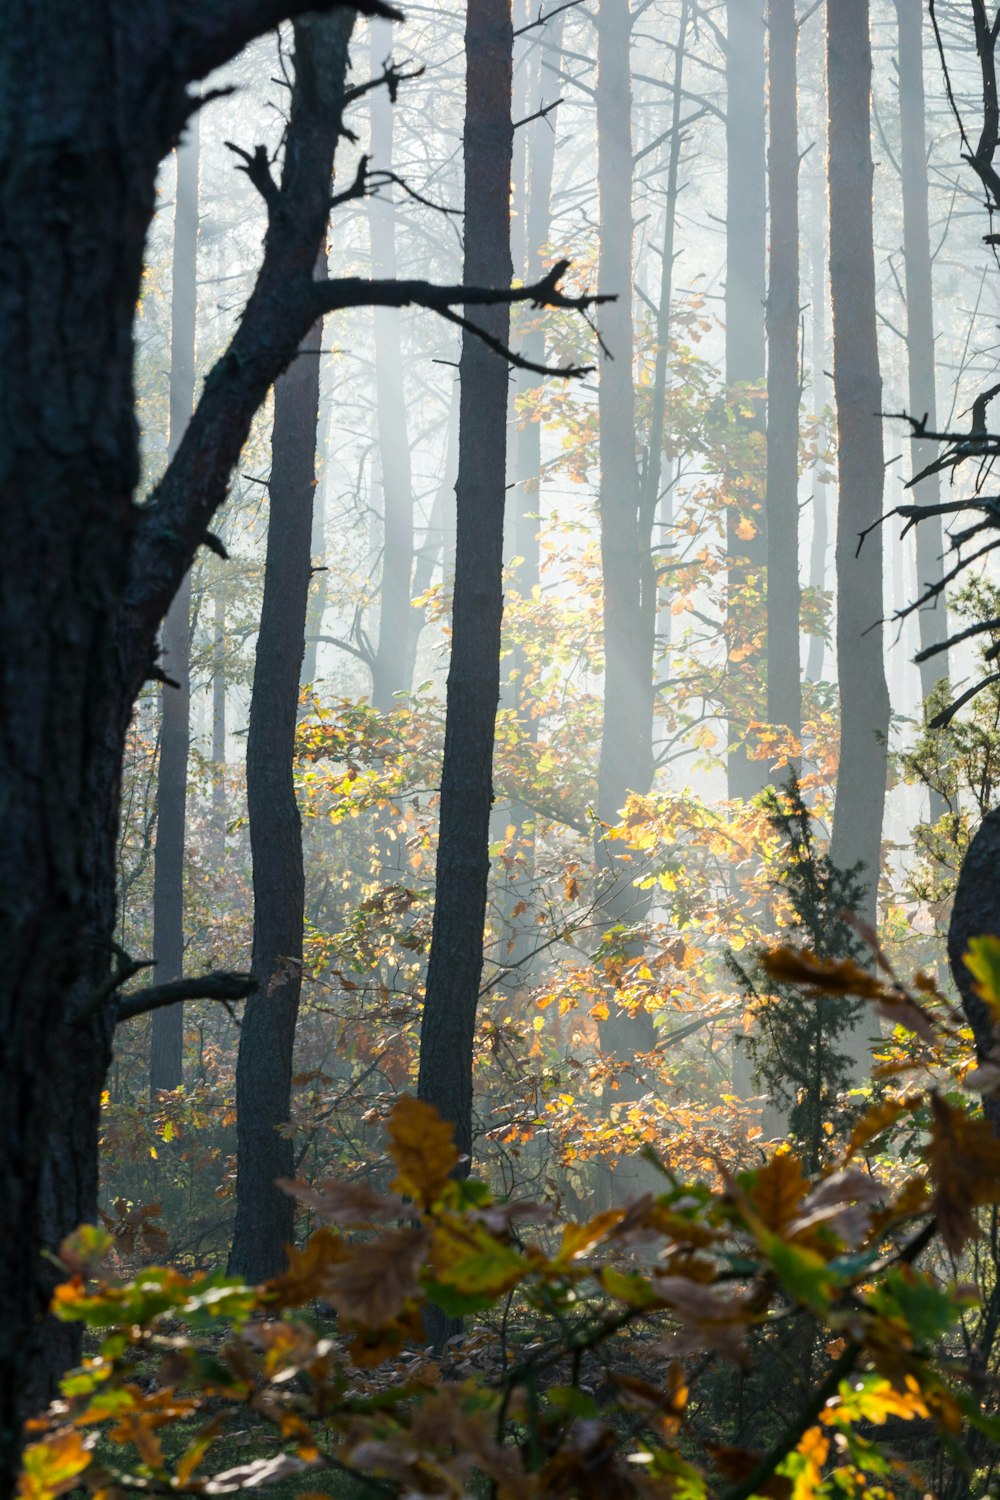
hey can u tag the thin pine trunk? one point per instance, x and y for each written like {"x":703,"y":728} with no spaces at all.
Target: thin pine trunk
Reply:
{"x":456,"y":956}
{"x":745,"y":372}
{"x":784,"y":691}
{"x":167,"y":1036}
{"x":864,"y":697}
{"x":389,"y":669}
{"x":920,"y":334}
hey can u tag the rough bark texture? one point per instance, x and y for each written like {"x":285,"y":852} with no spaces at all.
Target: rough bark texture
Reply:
{"x":94,"y":100}
{"x":265,"y":1216}
{"x":864,"y":697}
{"x":784,"y":691}
{"x":920,"y":333}
{"x":167,"y":1026}
{"x":976,"y":913}
{"x":456,"y":956}
{"x":746,"y":253}
{"x":389,"y":669}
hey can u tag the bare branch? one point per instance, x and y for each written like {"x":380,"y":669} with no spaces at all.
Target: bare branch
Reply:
{"x":944,"y":718}
{"x":220,"y":985}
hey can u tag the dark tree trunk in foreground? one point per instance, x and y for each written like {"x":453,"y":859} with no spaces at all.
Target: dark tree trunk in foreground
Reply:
{"x":746,"y":254}
{"x":976,"y":913}
{"x":265,"y":1216}
{"x":920,"y":333}
{"x":86,"y":574}
{"x":456,"y":957}
{"x":396,"y":618}
{"x":167,"y":1025}
{"x":784,"y":691}
{"x":864,"y":697}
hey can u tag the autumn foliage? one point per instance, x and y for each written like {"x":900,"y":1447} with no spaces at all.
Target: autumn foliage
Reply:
{"x":593,"y":1351}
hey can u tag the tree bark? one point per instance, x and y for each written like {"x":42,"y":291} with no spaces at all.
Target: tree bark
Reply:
{"x":821,"y":519}
{"x":628,"y":575}
{"x":784,"y":690}
{"x":265,"y":1216}
{"x":389,"y":669}
{"x":864,"y":697}
{"x":456,"y":956}
{"x":167,"y":1027}
{"x":537,"y":162}
{"x":86,"y":578}
{"x":746,"y":277}
{"x":218,"y":836}
{"x":976,"y":913}
{"x":657,"y":495}
{"x":920,"y":339}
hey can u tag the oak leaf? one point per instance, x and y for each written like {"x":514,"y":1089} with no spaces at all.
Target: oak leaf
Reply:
{"x":422,"y":1147}
{"x":373,"y":1282}
{"x":349,"y":1203}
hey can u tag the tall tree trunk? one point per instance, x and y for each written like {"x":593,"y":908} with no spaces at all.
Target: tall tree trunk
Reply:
{"x":167,"y":1038}
{"x":87,"y":574}
{"x":456,"y":956}
{"x":784,"y":691}
{"x":69,"y":466}
{"x":538,"y":163}
{"x":316,"y":609}
{"x":629,"y":578}
{"x":219,"y":727}
{"x":821,"y":520}
{"x":864,"y":697}
{"x":746,"y":253}
{"x":656,"y":494}
{"x":395,"y":614}
{"x":265,"y":1216}
{"x":920,"y":333}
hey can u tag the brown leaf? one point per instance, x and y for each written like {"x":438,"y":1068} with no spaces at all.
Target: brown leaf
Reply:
{"x":964,"y":1160}
{"x":827,"y":976}
{"x":375,"y":1279}
{"x":308,"y":1269}
{"x":736,"y":1464}
{"x":350,"y":1203}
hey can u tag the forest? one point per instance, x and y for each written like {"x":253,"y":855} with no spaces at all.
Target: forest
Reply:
{"x":500,"y":749}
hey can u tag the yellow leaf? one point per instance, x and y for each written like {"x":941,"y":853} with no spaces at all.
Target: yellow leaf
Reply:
{"x":578,"y":1238}
{"x":421,"y":1145}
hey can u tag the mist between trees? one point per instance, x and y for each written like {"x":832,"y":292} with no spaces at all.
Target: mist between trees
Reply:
{"x":498,"y":606}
